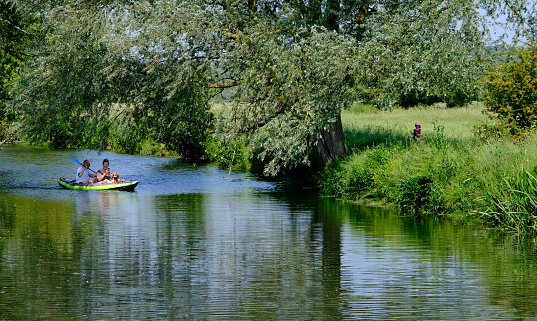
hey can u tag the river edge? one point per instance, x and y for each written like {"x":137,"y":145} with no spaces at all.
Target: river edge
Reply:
{"x":466,"y":180}
{"x":493,"y":183}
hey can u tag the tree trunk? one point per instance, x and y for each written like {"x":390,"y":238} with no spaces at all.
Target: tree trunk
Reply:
{"x":332,"y":14}
{"x":314,"y":12}
{"x":252,"y":5}
{"x":331,"y":145}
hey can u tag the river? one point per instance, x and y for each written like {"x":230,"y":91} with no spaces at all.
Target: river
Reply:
{"x":189,"y":244}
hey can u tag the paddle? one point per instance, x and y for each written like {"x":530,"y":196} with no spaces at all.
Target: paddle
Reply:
{"x":76,"y":160}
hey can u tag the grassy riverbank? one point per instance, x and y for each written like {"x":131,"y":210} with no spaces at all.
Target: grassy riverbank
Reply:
{"x":449,"y":173}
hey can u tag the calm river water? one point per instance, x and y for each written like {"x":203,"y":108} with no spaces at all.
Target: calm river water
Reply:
{"x":190,"y":245}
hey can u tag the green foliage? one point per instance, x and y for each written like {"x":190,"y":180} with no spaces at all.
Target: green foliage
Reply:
{"x":510,"y":96}
{"x":414,"y":194}
{"x":129,"y":137}
{"x":82,"y":88}
{"x":290,"y":93}
{"x":229,"y":154}
{"x":361,"y":173}
{"x":515,"y":205}
{"x":181,"y":123}
{"x":518,"y":16}
{"x":424,"y":52}
{"x":87,"y":67}
{"x":450,"y":171}
{"x":438,"y":137}
{"x":146,"y":70}
{"x":58,"y":97}
{"x":346,"y":180}
{"x":17,"y":30}
{"x":490,"y":131}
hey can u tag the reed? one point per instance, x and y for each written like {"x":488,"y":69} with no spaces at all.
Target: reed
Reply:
{"x":514,"y":206}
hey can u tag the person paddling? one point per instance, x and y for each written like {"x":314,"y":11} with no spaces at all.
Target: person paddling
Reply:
{"x":83,"y":175}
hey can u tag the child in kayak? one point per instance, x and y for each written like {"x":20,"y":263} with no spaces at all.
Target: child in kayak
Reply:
{"x":115,"y":178}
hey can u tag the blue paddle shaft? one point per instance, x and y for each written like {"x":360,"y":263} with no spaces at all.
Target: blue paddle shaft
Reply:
{"x":76,"y":160}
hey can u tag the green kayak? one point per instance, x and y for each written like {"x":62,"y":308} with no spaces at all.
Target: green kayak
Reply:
{"x":122,"y":186}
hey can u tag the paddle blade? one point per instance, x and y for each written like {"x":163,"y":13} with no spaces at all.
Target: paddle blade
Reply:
{"x":76,"y":160}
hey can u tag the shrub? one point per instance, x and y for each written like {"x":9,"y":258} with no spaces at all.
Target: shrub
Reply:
{"x":226,"y":153}
{"x":510,"y":95}
{"x":414,"y":193}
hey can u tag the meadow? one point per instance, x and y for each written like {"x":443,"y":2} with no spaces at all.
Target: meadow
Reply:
{"x":449,"y":173}
{"x":364,"y":125}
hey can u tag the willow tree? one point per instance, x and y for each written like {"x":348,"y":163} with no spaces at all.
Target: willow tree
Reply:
{"x":17,"y":29}
{"x":84,"y":89}
{"x":518,"y":17}
{"x":426,"y":52}
{"x":288,"y":68}
{"x":161,"y":58}
{"x":292,"y":64}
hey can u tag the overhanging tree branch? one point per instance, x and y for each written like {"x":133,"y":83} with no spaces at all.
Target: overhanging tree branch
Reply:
{"x":15,"y":52}
{"x":7,"y":22}
{"x":225,"y":85}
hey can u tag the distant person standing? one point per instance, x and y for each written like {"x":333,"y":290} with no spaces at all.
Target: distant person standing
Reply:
{"x":416,"y":132}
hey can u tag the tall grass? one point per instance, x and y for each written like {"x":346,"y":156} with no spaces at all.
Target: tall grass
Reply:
{"x":449,"y":172}
{"x":365,"y":126}
{"x":515,"y":205}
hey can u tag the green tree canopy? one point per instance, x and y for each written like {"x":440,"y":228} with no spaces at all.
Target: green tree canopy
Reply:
{"x":17,"y":29}
{"x":84,"y":84}
{"x":518,"y":17}
{"x":425,"y":52}
{"x":510,"y":95}
{"x":152,"y":67}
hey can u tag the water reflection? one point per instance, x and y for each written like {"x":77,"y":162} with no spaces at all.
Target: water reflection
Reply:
{"x":205,"y":255}
{"x":83,"y":206}
{"x":243,"y":250}
{"x":442,"y":272}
